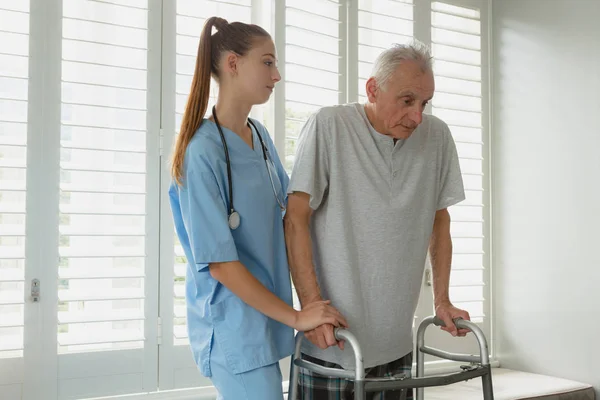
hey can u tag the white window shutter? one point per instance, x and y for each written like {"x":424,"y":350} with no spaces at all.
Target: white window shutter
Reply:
{"x":14,"y":64}
{"x":456,"y":47}
{"x":104,"y":259}
{"x":102,"y":204}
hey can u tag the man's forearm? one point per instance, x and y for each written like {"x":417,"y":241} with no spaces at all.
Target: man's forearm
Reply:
{"x":440,"y":248}
{"x":299,"y":249}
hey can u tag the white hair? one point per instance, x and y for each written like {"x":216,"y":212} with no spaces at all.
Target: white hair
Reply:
{"x":389,"y":60}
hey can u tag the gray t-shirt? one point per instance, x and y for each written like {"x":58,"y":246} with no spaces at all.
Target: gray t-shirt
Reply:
{"x":374,"y":205}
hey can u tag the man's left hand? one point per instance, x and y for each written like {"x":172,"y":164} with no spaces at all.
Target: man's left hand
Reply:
{"x":447,"y":312}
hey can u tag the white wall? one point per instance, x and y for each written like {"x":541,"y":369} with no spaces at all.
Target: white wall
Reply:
{"x":546,"y":181}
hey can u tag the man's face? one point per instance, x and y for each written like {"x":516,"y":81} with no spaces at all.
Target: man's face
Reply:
{"x":398,"y":107}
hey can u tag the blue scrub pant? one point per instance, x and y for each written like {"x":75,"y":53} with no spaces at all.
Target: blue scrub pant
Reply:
{"x":258,"y":384}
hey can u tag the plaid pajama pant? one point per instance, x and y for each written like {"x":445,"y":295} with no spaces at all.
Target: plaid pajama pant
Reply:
{"x":312,"y":386}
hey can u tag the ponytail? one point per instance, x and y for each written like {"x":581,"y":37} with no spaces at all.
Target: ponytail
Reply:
{"x":197,"y":101}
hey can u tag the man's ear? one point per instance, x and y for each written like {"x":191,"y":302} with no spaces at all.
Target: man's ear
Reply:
{"x":371,"y":88}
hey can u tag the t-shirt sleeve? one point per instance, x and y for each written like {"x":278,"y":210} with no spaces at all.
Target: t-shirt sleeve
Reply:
{"x":451,"y":186}
{"x":310,"y":173}
{"x":204,"y":214}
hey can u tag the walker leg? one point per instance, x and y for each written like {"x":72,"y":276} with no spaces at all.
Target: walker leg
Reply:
{"x":488,"y":392}
{"x":419,"y":393}
{"x":293,"y":386}
{"x":359,"y":390}
{"x":403,"y":394}
{"x":294,"y":370}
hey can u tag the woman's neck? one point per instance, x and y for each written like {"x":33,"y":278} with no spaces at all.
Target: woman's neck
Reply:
{"x":233,"y":115}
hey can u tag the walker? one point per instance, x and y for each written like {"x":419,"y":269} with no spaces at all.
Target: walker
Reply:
{"x":479,"y":365}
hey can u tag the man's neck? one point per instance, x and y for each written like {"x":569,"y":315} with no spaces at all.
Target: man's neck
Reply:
{"x":371,"y":117}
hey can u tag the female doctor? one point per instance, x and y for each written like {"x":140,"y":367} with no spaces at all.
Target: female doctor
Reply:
{"x":227,"y":200}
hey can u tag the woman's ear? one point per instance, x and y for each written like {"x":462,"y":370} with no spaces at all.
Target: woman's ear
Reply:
{"x":231,"y":63}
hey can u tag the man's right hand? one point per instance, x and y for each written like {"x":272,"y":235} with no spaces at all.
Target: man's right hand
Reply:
{"x":323,"y":337}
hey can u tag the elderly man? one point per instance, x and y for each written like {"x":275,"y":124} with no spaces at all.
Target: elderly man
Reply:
{"x":368,"y":197}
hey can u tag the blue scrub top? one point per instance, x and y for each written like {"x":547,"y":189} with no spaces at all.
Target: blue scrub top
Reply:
{"x":248,"y":338}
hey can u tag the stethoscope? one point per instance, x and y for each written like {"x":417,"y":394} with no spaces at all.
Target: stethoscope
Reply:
{"x":233,"y":216}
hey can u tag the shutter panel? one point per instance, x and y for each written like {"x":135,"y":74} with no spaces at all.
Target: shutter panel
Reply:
{"x":104,"y":198}
{"x":14,"y":74}
{"x":102,"y":204}
{"x":456,"y":47}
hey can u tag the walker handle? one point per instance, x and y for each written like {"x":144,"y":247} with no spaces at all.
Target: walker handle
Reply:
{"x":457,"y":321}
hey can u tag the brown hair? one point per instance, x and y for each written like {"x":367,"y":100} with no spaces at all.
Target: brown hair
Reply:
{"x":236,"y":37}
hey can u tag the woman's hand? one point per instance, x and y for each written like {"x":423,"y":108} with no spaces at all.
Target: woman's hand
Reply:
{"x":318,"y":313}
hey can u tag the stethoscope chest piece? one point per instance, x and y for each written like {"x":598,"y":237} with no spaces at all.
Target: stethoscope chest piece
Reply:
{"x":234,"y":220}
{"x":234,"y":217}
